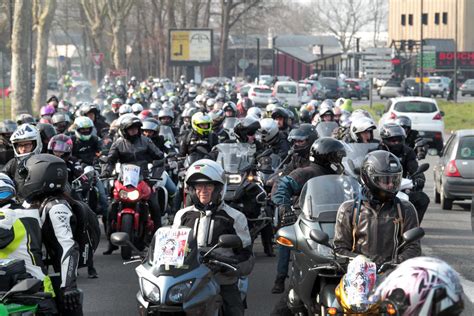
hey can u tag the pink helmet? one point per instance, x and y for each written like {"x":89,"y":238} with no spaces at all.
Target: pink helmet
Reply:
{"x":47,"y":110}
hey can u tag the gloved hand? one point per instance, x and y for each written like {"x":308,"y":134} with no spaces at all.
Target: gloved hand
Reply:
{"x":287,"y":215}
{"x":71,"y":298}
{"x":418,"y":184}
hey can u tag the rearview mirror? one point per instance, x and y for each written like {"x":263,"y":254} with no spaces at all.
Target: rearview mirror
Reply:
{"x":413,"y":234}
{"x":441,"y":113}
{"x":89,"y":170}
{"x":230,"y":241}
{"x":422,"y":168}
{"x":120,"y":239}
{"x":320,"y":237}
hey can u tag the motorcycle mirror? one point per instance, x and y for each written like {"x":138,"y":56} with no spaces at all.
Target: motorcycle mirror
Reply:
{"x":422,"y":168}
{"x":89,"y":170}
{"x":27,"y":286}
{"x":120,"y":239}
{"x":320,"y":237}
{"x":412,"y":235}
{"x":261,"y":198}
{"x":230,"y":241}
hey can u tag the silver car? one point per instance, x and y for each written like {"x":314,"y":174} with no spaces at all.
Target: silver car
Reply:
{"x":467,"y":88}
{"x":391,"y":89}
{"x":454,"y":172}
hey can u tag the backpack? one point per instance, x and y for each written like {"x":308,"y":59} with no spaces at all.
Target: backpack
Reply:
{"x":87,"y":229}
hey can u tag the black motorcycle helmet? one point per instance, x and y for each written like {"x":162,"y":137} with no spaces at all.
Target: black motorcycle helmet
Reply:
{"x":304,"y":133}
{"x":247,"y":127}
{"x":7,"y":128}
{"x":44,"y":174}
{"x":127,"y":122}
{"x":283,"y":113}
{"x":381,"y":174}
{"x":24,"y":118}
{"x":405,"y":122}
{"x":328,"y":152}
{"x":47,"y":131}
{"x":393,"y":136}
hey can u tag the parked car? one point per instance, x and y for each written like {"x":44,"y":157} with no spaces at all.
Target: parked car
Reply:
{"x":454,"y":172}
{"x":391,"y":89}
{"x":330,"y":87}
{"x":357,"y":88}
{"x":439,"y":86}
{"x":411,"y":88}
{"x":316,"y":88}
{"x":425,"y":116}
{"x":289,"y":91}
{"x":265,"y":80}
{"x":467,"y":88}
{"x":259,"y":94}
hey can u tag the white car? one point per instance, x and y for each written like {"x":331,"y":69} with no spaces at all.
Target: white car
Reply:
{"x":305,"y":91}
{"x":439,"y":86}
{"x":260,"y":94}
{"x":425,"y":116}
{"x":288,"y":91}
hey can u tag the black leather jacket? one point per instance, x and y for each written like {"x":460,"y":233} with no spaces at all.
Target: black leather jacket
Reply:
{"x":86,"y":151}
{"x":377,"y":230}
{"x":140,"y":151}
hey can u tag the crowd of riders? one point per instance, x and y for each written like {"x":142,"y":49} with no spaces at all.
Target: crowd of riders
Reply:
{"x":148,"y":122}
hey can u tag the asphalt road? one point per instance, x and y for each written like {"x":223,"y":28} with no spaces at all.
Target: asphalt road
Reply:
{"x":448,"y":236}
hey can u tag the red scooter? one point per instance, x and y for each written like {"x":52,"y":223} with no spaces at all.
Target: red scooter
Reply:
{"x":131,"y":196}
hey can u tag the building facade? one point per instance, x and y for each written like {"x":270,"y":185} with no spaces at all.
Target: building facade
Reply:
{"x":439,"y":18}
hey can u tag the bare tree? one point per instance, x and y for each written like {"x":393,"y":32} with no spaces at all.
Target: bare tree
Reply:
{"x":231,"y":12}
{"x":342,"y":18}
{"x":44,"y":11}
{"x":22,"y":17}
{"x":379,"y":10}
{"x":118,"y":11}
{"x":95,"y":12}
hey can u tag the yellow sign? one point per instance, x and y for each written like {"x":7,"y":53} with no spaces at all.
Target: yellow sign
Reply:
{"x":179,"y":46}
{"x":425,"y":79}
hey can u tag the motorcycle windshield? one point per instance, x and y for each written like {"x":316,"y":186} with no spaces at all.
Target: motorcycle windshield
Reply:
{"x":234,"y":156}
{"x":173,"y":251}
{"x":322,"y":196}
{"x":355,"y":154}
{"x":325,"y":129}
{"x":167,"y":134}
{"x":229,"y":123}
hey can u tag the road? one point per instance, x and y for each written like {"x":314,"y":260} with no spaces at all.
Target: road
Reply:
{"x":448,"y":236}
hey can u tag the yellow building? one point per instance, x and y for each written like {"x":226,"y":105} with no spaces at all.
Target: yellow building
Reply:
{"x":439,"y":21}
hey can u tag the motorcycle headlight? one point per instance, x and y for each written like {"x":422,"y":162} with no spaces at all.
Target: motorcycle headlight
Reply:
{"x":234,"y":178}
{"x":178,"y":292}
{"x":132,"y":195}
{"x":150,"y":291}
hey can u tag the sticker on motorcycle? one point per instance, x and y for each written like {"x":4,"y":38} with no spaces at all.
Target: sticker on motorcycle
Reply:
{"x":359,"y":282}
{"x":171,"y":246}
{"x":130,"y":175}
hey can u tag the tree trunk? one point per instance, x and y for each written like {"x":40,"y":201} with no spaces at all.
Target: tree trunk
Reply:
{"x":22,"y":18}
{"x":224,"y":34}
{"x":41,"y":68}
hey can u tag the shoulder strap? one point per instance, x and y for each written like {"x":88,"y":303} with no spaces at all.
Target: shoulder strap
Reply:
{"x":355,"y":220}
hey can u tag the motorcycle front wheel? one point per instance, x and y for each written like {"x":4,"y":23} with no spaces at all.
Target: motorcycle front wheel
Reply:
{"x":127,"y":227}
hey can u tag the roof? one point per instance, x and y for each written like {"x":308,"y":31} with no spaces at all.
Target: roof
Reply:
{"x":441,"y":45}
{"x":465,"y":132}
{"x":306,"y":48}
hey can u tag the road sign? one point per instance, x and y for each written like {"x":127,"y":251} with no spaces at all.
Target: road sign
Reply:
{"x":190,"y":47}
{"x":377,"y":62}
{"x":97,"y":58}
{"x":117,"y":72}
{"x":243,"y":63}
{"x":61,"y":58}
{"x":429,"y":60}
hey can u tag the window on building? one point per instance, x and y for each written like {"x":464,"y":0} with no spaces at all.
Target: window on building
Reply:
{"x":424,"y":18}
{"x":410,"y":19}
{"x":436,"y":20}
{"x":445,"y":17}
{"x":404,"y":19}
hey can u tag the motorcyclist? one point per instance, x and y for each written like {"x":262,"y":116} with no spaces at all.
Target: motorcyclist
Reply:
{"x":393,"y":139}
{"x":280,"y":115}
{"x":362,"y":130}
{"x":211,"y":217}
{"x":7,"y":127}
{"x":47,"y":131}
{"x":26,"y":142}
{"x":326,"y":158}
{"x":61,"y":122}
{"x":186,"y":119}
{"x":246,"y":130}
{"x":217,"y":125}
{"x":20,"y":238}
{"x":413,"y":137}
{"x":132,"y":147}
{"x":301,"y":139}
{"x":271,"y":137}
{"x":44,"y":190}
{"x":200,"y":135}
{"x":374,"y":225}
{"x":166,"y":118}
{"x":326,"y":113}
{"x":230,"y":109}
{"x":92,"y":111}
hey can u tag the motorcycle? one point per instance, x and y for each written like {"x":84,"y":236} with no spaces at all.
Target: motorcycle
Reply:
{"x":326,"y":129}
{"x":355,"y":155}
{"x":319,"y":201}
{"x":131,"y":196}
{"x":407,"y":183}
{"x":175,"y":277}
{"x":353,"y":293}
{"x":84,"y":188}
{"x":228,"y":126}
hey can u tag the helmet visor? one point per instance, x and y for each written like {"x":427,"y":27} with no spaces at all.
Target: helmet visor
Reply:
{"x":61,"y":147}
{"x":388,"y":182}
{"x":85,"y":131}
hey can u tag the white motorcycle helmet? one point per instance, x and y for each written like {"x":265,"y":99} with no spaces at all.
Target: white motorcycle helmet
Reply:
{"x":26,"y":132}
{"x":206,"y":171}
{"x":421,"y":286}
{"x":124,"y":109}
{"x":359,"y":125}
{"x":137,"y":108}
{"x":255,"y":111}
{"x":268,"y":130}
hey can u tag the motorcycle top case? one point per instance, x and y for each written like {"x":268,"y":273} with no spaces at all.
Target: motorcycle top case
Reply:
{"x":11,"y":270}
